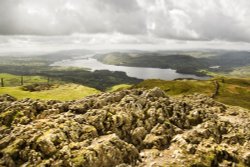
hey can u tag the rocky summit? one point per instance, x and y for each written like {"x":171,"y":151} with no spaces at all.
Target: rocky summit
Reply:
{"x":126,"y":128}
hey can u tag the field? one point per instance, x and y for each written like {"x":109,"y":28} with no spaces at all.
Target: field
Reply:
{"x":15,"y":80}
{"x":59,"y":91}
{"x":62,"y":92}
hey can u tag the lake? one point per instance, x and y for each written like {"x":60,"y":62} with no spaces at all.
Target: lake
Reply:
{"x":137,"y":72}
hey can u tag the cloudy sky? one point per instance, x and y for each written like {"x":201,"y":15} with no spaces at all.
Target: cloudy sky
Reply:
{"x":35,"y":25}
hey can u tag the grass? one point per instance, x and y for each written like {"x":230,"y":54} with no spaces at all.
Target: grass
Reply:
{"x":235,"y":92}
{"x":119,"y":87}
{"x":62,"y":92}
{"x":232,"y":91}
{"x":239,"y":72}
{"x":180,"y":86}
{"x":15,"y":80}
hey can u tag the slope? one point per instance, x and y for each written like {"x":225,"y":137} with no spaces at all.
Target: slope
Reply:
{"x":231,"y":91}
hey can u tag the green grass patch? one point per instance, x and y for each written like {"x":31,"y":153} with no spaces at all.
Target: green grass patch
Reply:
{"x":234,"y":94}
{"x":15,"y":80}
{"x":62,"y":92}
{"x":119,"y":87}
{"x":179,"y":87}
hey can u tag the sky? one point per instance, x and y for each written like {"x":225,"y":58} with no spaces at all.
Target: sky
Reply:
{"x":48,"y":25}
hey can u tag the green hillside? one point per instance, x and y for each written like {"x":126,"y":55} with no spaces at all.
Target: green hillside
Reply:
{"x":62,"y":92}
{"x":15,"y":80}
{"x":57,"y":90}
{"x":119,"y":87}
{"x":231,"y":91}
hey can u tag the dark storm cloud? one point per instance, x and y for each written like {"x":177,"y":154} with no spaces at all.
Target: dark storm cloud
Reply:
{"x":198,"y":20}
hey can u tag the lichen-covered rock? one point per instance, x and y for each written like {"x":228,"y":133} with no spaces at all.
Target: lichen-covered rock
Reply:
{"x":155,"y":92}
{"x":125,"y":128}
{"x":246,"y":158}
{"x":107,"y":150}
{"x":6,"y":97}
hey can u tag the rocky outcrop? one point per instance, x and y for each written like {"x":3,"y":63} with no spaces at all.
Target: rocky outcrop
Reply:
{"x":38,"y":87}
{"x":126,"y":128}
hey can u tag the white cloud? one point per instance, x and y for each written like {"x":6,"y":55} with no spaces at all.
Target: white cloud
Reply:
{"x":125,"y":21}
{"x":199,"y":19}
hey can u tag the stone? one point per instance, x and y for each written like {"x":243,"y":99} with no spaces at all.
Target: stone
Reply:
{"x":136,"y":127}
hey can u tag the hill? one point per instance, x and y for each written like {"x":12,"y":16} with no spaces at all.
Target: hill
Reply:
{"x":99,"y":79}
{"x":125,"y":128}
{"x":40,"y":87}
{"x":15,"y":80}
{"x":181,"y":61}
{"x":62,"y":92}
{"x":229,"y":89}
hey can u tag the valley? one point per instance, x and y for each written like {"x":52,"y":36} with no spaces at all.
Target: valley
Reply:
{"x":182,"y":62}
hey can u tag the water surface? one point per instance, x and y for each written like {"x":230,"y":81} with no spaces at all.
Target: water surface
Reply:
{"x":137,"y":72}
